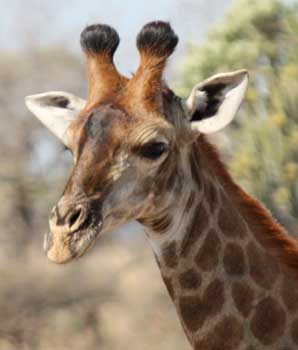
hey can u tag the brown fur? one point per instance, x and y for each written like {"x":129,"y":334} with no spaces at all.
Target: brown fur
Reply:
{"x":145,"y":89}
{"x":262,"y":268}
{"x":156,"y":42}
{"x":190,"y":279}
{"x":104,"y":80}
{"x":207,"y":257}
{"x":268,"y":322}
{"x":231,"y":229}
{"x":267,"y":231}
{"x":289,"y":293}
{"x":234,"y":260}
{"x":294,"y":332}
{"x":115,"y":124}
{"x":195,"y":311}
{"x":243,"y":296}
{"x":170,"y":255}
{"x":195,"y":230}
{"x":169,"y":285}
{"x":99,"y":42}
{"x":226,"y":335}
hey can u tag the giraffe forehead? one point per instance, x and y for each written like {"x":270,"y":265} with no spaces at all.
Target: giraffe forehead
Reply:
{"x":111,"y":125}
{"x":106,"y":120}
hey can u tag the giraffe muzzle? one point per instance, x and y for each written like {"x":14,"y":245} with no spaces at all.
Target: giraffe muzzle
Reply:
{"x":71,"y":231}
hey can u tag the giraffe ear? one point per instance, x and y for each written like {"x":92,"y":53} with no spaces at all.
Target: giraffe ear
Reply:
{"x":213,"y":104}
{"x":56,"y":110}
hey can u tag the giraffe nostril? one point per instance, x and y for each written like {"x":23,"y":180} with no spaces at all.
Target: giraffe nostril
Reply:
{"x":74,"y":217}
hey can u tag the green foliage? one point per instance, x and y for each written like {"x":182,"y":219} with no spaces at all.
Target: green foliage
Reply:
{"x":261,"y":36}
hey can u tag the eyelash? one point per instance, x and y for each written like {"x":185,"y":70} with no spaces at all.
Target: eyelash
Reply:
{"x":153,"y":150}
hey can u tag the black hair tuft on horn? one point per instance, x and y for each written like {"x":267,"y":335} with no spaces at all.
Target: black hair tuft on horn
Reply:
{"x":99,"y":39}
{"x":158,"y":38}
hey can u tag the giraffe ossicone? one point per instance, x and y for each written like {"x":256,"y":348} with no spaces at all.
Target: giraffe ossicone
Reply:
{"x":140,"y":153}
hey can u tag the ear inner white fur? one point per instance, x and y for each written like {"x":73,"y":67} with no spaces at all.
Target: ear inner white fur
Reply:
{"x":56,"y":110}
{"x":234,"y":93}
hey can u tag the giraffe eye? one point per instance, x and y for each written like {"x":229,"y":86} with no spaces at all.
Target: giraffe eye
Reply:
{"x":153,"y":150}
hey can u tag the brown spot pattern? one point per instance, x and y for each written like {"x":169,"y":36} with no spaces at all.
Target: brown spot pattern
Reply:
{"x":169,"y":254}
{"x":195,"y":229}
{"x":226,"y":335}
{"x":207,"y":257}
{"x":190,"y":279}
{"x":195,"y":311}
{"x":234,"y":259}
{"x":294,"y":332}
{"x":289,"y":293}
{"x":268,"y":322}
{"x":262,"y":268}
{"x":230,"y":222}
{"x":169,"y":285}
{"x":243,"y":296}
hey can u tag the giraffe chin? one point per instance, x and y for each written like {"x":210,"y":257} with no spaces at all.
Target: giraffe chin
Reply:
{"x":62,"y":249}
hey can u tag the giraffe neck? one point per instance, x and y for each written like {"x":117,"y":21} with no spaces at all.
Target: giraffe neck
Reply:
{"x":228,"y":291}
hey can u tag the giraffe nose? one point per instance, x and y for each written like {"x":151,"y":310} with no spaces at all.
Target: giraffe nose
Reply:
{"x":67,"y":219}
{"x":74,"y":218}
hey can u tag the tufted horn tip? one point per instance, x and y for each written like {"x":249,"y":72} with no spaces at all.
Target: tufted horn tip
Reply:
{"x":99,"y":42}
{"x":157,"y":38}
{"x":99,"y":39}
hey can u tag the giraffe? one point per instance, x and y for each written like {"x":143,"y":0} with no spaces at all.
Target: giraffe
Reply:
{"x":142,"y":153}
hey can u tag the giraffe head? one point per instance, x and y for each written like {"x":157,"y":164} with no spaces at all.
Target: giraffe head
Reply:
{"x":128,"y":138}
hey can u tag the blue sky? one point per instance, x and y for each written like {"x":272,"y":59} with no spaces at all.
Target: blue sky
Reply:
{"x":36,"y":23}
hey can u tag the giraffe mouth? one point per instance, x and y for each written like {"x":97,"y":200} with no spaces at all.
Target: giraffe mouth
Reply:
{"x":61,"y":249}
